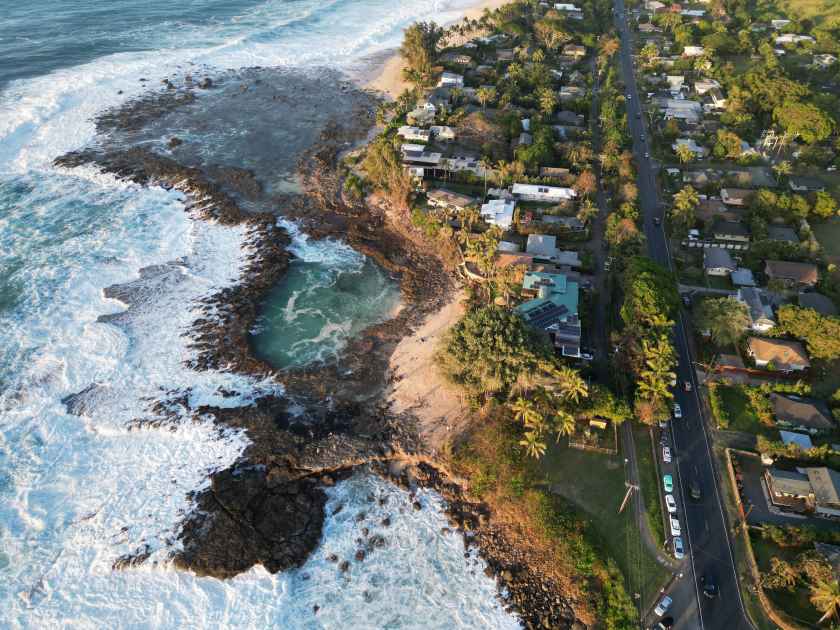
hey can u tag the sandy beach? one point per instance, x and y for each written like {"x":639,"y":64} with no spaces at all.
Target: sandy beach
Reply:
{"x":389,"y":79}
{"x":418,"y":387}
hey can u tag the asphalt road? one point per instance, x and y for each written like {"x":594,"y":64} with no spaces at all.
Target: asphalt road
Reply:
{"x":704,"y":528}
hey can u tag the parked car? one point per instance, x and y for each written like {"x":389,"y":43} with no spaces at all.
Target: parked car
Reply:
{"x":663,"y":605}
{"x":676,"y":530}
{"x":670,"y":503}
{"x":666,"y":623}
{"x":679,"y":550}
{"x":677,"y":412}
{"x":687,"y":386}
{"x":710,"y":588}
{"x":668,"y":483}
{"x":666,"y":455}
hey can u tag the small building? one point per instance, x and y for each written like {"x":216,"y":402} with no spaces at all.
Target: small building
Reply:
{"x":717,"y":98}
{"x":823,"y":62}
{"x":574,"y":50}
{"x":654,"y":6}
{"x":731,"y":232}
{"x":793,"y":38}
{"x":499,"y":212}
{"x":792,"y":274}
{"x":524,"y":140}
{"x":570,"y":10}
{"x":414,"y":134}
{"x":543,"y":247}
{"x":648,"y":27}
{"x":569,"y":119}
{"x":554,"y":172}
{"x":759,"y":309}
{"x":675,"y":83}
{"x":801,"y":414}
{"x":704,"y":85}
{"x":743,"y":277}
{"x":547,"y":194}
{"x":570,"y":224}
{"x":448,"y":200}
{"x":450,"y":79}
{"x":571,"y":92}
{"x":695,"y":148}
{"x":800,"y":439}
{"x":717,"y":261}
{"x":788,"y":489}
{"x":806,"y":184}
{"x":819,"y":302}
{"x":423,"y":114}
{"x":783,"y":355}
{"x":735,"y":196}
{"x":825,"y":485}
{"x":779,"y":24}
{"x":683,"y":109}
{"x":693,"y":51}
{"x":442,"y":132}
{"x":459,"y":59}
{"x":504,"y":54}
{"x":782,"y":234}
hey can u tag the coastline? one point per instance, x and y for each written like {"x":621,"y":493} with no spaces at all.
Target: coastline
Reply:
{"x":387,"y":77}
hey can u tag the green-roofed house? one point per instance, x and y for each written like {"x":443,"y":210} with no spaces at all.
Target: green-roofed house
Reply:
{"x":553,"y":307}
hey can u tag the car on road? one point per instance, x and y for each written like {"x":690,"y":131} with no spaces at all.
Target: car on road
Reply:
{"x":642,"y":137}
{"x":638,"y":114}
{"x":657,"y":221}
{"x":694,"y":489}
{"x":676,"y":530}
{"x":586,"y":356}
{"x":677,"y":412}
{"x":647,"y":155}
{"x":668,"y":483}
{"x":671,"y":504}
{"x":666,"y":455}
{"x":710,"y":588}
{"x":629,"y":96}
{"x":686,"y":299}
{"x":687,"y":386}
{"x":663,"y":605}
{"x":679,"y":550}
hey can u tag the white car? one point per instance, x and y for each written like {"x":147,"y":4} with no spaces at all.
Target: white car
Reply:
{"x":666,"y":454}
{"x":679,"y":550}
{"x":671,"y":503}
{"x":676,"y":530}
{"x":677,"y":412}
{"x":663,"y":605}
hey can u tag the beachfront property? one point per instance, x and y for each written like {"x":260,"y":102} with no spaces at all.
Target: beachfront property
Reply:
{"x":553,"y":308}
{"x":443,"y":132}
{"x":448,"y":200}
{"x":422,"y":115}
{"x":450,"y":79}
{"x":499,"y":212}
{"x":546,"y":194}
{"x":414,"y":134}
{"x":417,"y":157}
{"x":783,"y":355}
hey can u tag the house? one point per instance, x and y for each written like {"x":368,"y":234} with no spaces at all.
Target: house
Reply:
{"x":751,"y":176}
{"x":693,"y":51}
{"x":782,"y":234}
{"x":574,"y":50}
{"x":731,"y":232}
{"x":654,"y":6}
{"x":825,"y":485}
{"x":824,"y":62}
{"x":414,"y":133}
{"x":695,"y":148}
{"x":758,"y":307}
{"x":647,"y":27}
{"x":568,"y":118}
{"x":499,"y":212}
{"x":683,"y":109}
{"x":524,"y":139}
{"x":448,"y":200}
{"x":792,"y":38}
{"x":742,"y":277}
{"x":544,"y":247}
{"x":735,"y":196}
{"x":718,"y":99}
{"x":783,"y":355}
{"x":504,"y":54}
{"x":571,"y":224}
{"x":548,"y":194}
{"x":570,"y":11}
{"x":459,"y":59}
{"x":553,"y":308}
{"x":819,"y":302}
{"x":571,"y":92}
{"x":801,"y":414}
{"x":450,"y":79}
{"x":788,"y":489}
{"x":779,"y":24}
{"x":805,"y":184}
{"x":792,"y":273}
{"x":423,"y":114}
{"x":693,"y":13}
{"x":800,"y":439}
{"x":717,"y":261}
{"x":675,"y":83}
{"x":712,"y":209}
{"x":554,"y":172}
{"x":704,"y":85}
{"x":700,"y":178}
{"x":442,"y":132}
{"x":418,"y":158}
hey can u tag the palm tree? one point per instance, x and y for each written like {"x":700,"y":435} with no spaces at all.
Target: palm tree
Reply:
{"x":564,"y":424}
{"x":684,"y":154}
{"x":571,"y":384}
{"x":825,"y":595}
{"x":548,"y":100}
{"x":525,"y":411}
{"x":534,"y":446}
{"x":782,"y":169}
{"x":485,"y":94}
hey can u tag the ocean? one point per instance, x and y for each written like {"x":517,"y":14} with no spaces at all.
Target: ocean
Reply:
{"x":79,"y":490}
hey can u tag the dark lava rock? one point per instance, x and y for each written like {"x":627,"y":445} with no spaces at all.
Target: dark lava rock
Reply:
{"x":417,"y":506}
{"x":360,"y":555}
{"x":344,"y":566}
{"x":386,"y":522}
{"x":332,"y":558}
{"x":175,"y":142}
{"x":206,"y":83}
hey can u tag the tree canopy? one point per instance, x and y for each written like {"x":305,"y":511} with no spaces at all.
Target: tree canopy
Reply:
{"x":821,"y":333}
{"x":725,"y":318}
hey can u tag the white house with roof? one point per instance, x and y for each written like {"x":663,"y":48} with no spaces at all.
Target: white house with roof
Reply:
{"x":695,"y":148}
{"x":548,"y":194}
{"x":778,"y":25}
{"x":704,"y":85}
{"x":824,"y":61}
{"x":499,"y":212}
{"x":450,"y":79}
{"x":693,"y":51}
{"x":675,"y":83}
{"x":572,"y":11}
{"x":414,"y":133}
{"x":423,"y":114}
{"x":793,"y":38}
{"x":443,"y":132}
{"x":683,"y":109}
{"x":758,"y":307}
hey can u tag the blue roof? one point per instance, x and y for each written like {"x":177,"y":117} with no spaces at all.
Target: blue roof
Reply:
{"x":561,"y":302}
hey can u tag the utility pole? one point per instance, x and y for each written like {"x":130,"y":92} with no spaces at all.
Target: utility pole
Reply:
{"x":630,"y":488}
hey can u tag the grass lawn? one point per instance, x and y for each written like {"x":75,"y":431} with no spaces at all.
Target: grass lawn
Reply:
{"x":735,"y":412}
{"x":821,"y":10}
{"x":650,"y":481}
{"x":595,"y":483}
{"x":828,"y":235}
{"x":796,"y":603}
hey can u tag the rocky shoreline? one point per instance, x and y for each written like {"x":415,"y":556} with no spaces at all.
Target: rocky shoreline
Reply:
{"x":269,"y":508}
